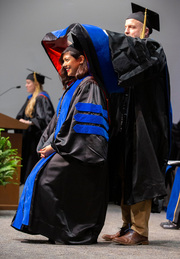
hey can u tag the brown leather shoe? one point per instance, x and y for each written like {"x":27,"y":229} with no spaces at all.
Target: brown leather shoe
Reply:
{"x":107,"y":237}
{"x":131,"y":238}
{"x":120,"y":233}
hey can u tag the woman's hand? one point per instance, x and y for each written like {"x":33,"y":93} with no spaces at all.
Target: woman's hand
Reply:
{"x":26,"y":121}
{"x":45,"y":152}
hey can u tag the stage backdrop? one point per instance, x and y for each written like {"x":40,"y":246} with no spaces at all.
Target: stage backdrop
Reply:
{"x":23,"y":24}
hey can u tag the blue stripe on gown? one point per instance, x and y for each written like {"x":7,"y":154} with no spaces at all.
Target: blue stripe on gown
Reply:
{"x":23,"y":211}
{"x":89,"y":129}
{"x":174,"y":198}
{"x":22,"y":214}
{"x":91,"y":107}
{"x":89,"y":118}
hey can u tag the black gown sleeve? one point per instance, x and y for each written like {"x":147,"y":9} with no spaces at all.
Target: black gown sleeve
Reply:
{"x":135,"y":60}
{"x":88,"y":148}
{"x":21,"y":113}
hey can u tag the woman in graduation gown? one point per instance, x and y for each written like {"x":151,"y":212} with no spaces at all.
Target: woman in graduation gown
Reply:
{"x":65,"y":196}
{"x":37,"y":112}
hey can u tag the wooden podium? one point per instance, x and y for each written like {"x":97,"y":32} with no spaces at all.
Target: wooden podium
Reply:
{"x":9,"y":194}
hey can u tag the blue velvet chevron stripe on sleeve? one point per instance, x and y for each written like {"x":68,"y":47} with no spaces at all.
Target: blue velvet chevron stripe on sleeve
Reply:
{"x":93,"y":108}
{"x":95,"y":119}
{"x":91,"y":119}
{"x":89,"y":129}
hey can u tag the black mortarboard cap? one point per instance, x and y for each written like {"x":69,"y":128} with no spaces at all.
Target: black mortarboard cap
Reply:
{"x":152,"y":21}
{"x":36,"y":76}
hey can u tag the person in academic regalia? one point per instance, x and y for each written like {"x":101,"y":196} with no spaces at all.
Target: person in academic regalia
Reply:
{"x":141,"y":124}
{"x":172,"y":202}
{"x":173,"y":207}
{"x":37,"y":112}
{"x":65,"y":195}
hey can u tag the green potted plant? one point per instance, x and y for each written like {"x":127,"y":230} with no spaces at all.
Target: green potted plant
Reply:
{"x":8,"y":160}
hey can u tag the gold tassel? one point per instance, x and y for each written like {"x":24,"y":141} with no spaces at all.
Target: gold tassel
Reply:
{"x":144,"y":25}
{"x":35,"y":78}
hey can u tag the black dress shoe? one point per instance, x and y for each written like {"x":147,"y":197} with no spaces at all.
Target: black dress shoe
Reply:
{"x":169,"y":225}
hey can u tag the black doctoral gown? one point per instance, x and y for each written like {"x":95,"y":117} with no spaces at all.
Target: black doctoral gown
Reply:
{"x":69,"y":197}
{"x":43,"y":113}
{"x":144,"y":141}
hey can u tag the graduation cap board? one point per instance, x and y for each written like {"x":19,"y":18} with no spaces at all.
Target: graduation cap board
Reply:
{"x":147,"y":17}
{"x":94,"y":42}
{"x":34,"y":76}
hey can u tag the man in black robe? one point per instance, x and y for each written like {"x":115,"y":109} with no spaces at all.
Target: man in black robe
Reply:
{"x":140,"y":123}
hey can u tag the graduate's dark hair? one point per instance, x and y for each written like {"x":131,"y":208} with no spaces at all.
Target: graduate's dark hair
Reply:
{"x":81,"y":71}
